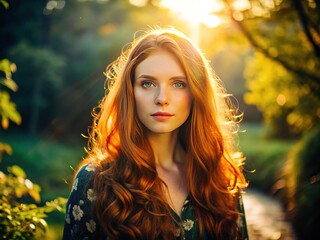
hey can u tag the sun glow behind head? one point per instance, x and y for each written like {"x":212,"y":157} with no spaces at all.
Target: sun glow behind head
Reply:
{"x":196,"y":12}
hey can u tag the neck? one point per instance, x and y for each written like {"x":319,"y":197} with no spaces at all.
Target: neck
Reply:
{"x":171,"y":168}
{"x":167,"y":149}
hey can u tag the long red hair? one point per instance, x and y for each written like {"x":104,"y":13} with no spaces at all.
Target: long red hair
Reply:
{"x":129,"y":194}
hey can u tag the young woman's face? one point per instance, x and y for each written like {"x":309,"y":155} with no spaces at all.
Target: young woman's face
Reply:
{"x":162,"y":93}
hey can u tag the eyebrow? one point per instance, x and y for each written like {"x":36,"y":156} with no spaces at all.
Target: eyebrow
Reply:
{"x":153,"y":78}
{"x":146,"y":76}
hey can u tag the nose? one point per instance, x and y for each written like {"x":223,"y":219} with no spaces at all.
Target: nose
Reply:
{"x":161,"y":96}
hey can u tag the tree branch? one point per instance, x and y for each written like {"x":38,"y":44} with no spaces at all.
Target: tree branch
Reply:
{"x":305,"y":25}
{"x":298,"y":71}
{"x":304,"y":76}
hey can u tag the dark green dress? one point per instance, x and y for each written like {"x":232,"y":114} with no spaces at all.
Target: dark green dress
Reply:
{"x":80,"y":224}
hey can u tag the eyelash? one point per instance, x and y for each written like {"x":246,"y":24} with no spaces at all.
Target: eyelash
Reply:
{"x":151,"y":84}
{"x":182,"y":84}
{"x":143,"y":84}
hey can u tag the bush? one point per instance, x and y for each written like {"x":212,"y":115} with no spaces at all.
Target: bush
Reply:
{"x":303,"y":185}
{"x":18,"y":220}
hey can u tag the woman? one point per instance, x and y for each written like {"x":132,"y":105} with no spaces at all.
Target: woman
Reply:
{"x":161,"y":162}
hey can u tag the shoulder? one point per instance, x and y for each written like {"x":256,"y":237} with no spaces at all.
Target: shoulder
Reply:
{"x":80,"y":222}
{"x":85,"y":173}
{"x":83,"y":181}
{"x":83,"y":184}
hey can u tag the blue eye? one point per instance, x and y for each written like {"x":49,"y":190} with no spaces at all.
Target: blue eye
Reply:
{"x":147,"y":84}
{"x":179,"y":84}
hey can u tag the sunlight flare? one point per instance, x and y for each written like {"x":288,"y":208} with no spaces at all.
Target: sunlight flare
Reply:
{"x":196,"y":12}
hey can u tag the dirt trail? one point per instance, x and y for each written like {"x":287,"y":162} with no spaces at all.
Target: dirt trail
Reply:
{"x":265,"y":218}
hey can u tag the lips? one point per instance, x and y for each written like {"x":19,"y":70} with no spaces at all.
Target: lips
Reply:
{"x":161,"y":116}
{"x":164,"y":114}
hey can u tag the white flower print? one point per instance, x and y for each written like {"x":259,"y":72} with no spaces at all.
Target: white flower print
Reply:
{"x":184,"y":204}
{"x":91,"y":226}
{"x":75,"y":185}
{"x":90,"y":167}
{"x":188,"y":224}
{"x":77,"y":212}
{"x":90,"y":194}
{"x":68,"y":214}
{"x":68,"y":219}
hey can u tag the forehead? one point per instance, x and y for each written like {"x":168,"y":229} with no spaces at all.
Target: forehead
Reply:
{"x":160,"y":62}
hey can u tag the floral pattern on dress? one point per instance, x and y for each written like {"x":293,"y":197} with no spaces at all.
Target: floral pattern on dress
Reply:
{"x":82,"y":224}
{"x":68,"y":215}
{"x":75,"y":185}
{"x":91,"y":226}
{"x":90,"y":168}
{"x":77,"y":212}
{"x":187,"y":224}
{"x":79,"y":221}
{"x":178,"y":232}
{"x":90,"y":195}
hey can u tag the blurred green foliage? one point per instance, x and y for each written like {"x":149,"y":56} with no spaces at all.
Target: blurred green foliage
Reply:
{"x":265,"y":157}
{"x":47,"y":161}
{"x":18,"y":220}
{"x":8,"y":110}
{"x":61,"y":56}
{"x":287,"y":170}
{"x":50,"y":163}
{"x":288,"y":107}
{"x":283,"y":74}
{"x":302,"y":176}
{"x":40,"y":73}
{"x":4,"y":3}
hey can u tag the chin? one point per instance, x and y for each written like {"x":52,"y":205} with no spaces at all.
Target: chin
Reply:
{"x":161,"y":131}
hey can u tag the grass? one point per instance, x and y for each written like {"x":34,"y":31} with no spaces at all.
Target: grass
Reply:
{"x":265,"y":157}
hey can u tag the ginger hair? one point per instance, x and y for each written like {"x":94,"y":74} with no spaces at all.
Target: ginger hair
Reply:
{"x":130,"y":202}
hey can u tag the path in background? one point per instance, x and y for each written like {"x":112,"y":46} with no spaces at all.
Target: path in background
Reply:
{"x":265,"y":218}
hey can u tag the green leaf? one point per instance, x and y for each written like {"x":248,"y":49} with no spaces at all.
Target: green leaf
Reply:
{"x":4,"y":147}
{"x":57,"y":204}
{"x":9,"y":83}
{"x":8,"y":110}
{"x":5,"y":66}
{"x":17,"y":171}
{"x":5,"y":4}
{"x":35,"y":195}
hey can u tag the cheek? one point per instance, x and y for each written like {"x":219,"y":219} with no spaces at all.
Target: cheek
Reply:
{"x":140,"y":103}
{"x":188,"y":106}
{"x":186,"y":101}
